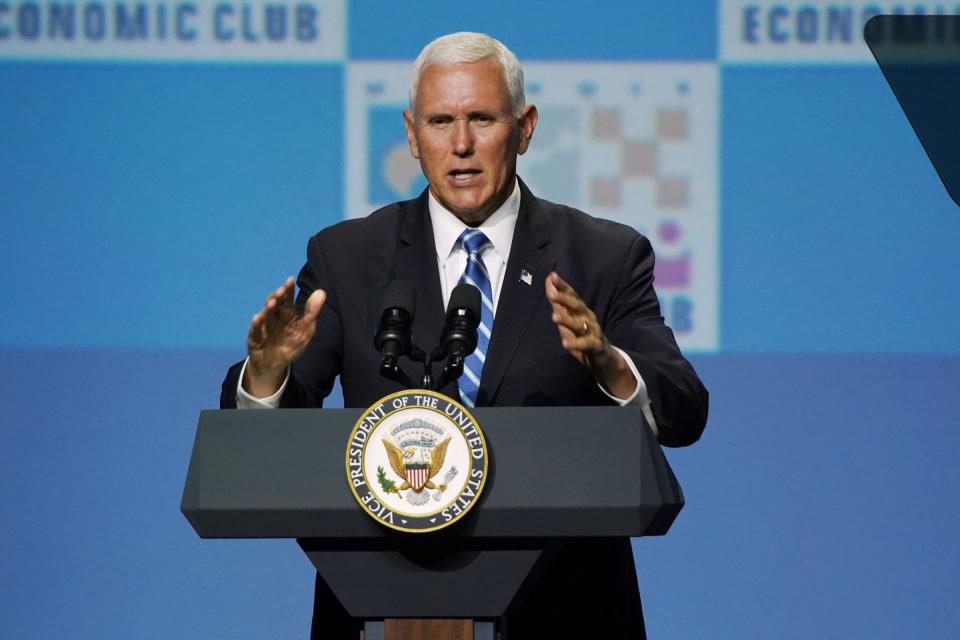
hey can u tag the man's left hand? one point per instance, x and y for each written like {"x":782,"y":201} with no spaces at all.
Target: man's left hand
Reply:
{"x":583,"y":337}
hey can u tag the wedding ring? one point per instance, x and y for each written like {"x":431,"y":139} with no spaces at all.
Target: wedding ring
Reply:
{"x":584,"y":329}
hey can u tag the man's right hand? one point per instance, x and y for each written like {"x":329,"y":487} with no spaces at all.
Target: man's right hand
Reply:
{"x":277,"y":337}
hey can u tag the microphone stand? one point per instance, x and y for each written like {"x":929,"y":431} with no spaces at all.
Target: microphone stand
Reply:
{"x":390,"y":368}
{"x":452,"y":368}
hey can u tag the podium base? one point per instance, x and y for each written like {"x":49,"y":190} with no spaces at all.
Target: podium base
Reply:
{"x":423,"y":581}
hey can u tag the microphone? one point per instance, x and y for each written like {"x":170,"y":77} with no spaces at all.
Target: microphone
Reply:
{"x":393,"y":339}
{"x":459,"y":337}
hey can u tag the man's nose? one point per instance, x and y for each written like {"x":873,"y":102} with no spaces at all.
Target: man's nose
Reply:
{"x":462,"y":138}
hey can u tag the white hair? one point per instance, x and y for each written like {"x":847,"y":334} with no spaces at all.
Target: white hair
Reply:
{"x":466,"y":46}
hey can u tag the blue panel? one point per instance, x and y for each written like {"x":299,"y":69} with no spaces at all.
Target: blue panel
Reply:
{"x":94,"y":447}
{"x":157,"y":205}
{"x":836,"y":232}
{"x":821,"y":503}
{"x":383,"y":30}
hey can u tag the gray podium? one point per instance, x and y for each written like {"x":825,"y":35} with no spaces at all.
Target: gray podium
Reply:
{"x":554,"y":474}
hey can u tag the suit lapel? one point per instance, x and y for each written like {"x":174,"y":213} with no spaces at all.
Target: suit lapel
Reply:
{"x":518,"y":300}
{"x":416,"y":262}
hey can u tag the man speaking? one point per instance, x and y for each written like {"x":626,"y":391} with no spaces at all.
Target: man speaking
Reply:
{"x":568,"y":312}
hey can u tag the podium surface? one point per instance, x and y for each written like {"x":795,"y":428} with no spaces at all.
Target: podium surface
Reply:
{"x":554,"y":472}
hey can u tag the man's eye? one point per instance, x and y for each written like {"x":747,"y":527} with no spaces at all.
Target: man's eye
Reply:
{"x":439,"y":120}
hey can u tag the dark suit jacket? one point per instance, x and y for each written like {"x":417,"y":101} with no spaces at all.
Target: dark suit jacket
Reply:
{"x":610,"y":266}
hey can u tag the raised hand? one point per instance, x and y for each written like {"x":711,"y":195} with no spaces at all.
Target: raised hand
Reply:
{"x":277,"y":336}
{"x":583,"y":337}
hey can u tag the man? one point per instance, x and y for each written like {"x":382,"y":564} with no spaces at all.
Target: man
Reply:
{"x":594,"y":336}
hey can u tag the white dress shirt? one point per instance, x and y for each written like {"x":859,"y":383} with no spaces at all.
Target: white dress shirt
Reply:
{"x":451,"y":263}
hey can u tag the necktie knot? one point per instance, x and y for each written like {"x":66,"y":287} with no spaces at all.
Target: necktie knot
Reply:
{"x":473,"y":241}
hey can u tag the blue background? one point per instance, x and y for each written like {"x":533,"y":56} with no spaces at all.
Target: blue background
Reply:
{"x":147,"y":209}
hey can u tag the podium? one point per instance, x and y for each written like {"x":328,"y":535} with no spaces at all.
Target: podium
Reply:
{"x":554,"y":474}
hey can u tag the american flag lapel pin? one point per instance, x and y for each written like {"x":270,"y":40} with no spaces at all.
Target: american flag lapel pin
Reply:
{"x":526,"y":277}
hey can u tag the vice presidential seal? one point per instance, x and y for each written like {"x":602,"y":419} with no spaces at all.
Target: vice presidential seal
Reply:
{"x":416,"y":461}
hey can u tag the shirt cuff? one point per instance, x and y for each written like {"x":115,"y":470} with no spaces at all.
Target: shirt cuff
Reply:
{"x":639,"y":397}
{"x":247,"y":401}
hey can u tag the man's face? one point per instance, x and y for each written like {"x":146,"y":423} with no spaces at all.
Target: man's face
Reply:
{"x":465,"y":135}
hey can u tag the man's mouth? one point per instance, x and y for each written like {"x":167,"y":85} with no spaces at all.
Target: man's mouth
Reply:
{"x":465,"y":176}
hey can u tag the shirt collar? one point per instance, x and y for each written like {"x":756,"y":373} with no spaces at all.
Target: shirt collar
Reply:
{"x":498,"y":227}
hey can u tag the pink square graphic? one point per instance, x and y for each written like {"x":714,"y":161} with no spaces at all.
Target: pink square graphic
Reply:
{"x":672,"y":124}
{"x":605,"y":123}
{"x":605,"y":192}
{"x":673,"y":193}
{"x":639,"y":158}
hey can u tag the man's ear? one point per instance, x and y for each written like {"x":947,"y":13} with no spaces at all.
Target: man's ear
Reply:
{"x":527,"y":124}
{"x":411,"y":134}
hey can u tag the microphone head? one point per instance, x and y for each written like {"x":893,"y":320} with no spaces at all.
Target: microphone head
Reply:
{"x":396,"y":317}
{"x":400,"y":294}
{"x":465,"y":296}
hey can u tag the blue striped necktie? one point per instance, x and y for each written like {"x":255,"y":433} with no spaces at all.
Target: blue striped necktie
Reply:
{"x":473,"y":242}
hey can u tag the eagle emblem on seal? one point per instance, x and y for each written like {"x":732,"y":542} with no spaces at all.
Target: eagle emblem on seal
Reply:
{"x":417,"y":450}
